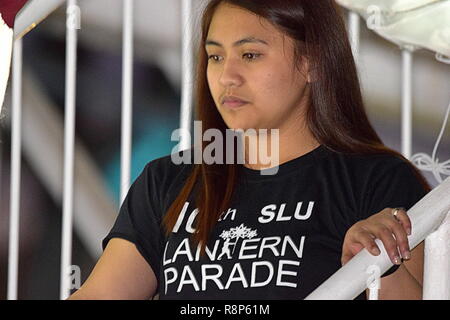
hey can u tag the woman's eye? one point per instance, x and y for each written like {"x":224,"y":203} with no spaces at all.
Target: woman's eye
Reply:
{"x":256,"y":55}
{"x":249,"y":56}
{"x":212,"y":56}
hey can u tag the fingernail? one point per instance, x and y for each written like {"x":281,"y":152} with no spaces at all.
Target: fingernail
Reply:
{"x":408,"y":230}
{"x":397,"y":260}
{"x":407,"y":255}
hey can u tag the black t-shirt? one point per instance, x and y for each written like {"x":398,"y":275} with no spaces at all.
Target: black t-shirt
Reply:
{"x":282,"y":235}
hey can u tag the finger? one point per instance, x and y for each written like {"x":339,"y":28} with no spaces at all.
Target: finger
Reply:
{"x":402,"y":217}
{"x":390,"y":244}
{"x":346,"y":257}
{"x":400,"y":237}
{"x":349,"y":251}
{"x":366,"y":239}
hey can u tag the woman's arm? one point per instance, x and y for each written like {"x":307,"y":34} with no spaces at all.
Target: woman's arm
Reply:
{"x":121,"y":273}
{"x":416,"y":263}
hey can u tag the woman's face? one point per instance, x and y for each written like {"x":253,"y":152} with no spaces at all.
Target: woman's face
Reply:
{"x":261,"y":73}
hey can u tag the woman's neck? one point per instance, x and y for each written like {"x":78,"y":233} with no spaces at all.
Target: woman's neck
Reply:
{"x":264,"y":151}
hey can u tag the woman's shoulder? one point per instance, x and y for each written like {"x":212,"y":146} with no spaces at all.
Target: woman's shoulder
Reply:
{"x":162,"y":178}
{"x":370,"y":163}
{"x":367,"y":170}
{"x":379,"y":181}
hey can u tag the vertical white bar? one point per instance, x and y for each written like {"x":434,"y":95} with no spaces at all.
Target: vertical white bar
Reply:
{"x":127,"y":98}
{"x":373,"y":282}
{"x":354,"y":30}
{"x":407,"y":63}
{"x":187,"y":72}
{"x":436,"y":279}
{"x":13,"y":253}
{"x":69,"y":141}
{"x":373,"y":294}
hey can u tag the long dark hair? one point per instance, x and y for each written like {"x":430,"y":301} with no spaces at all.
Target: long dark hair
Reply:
{"x":336,"y":115}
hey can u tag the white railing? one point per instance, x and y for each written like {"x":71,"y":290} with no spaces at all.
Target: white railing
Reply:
{"x":127,"y":98}
{"x":16,"y":148}
{"x":426,"y":216}
{"x":186,"y":71}
{"x":69,"y":146}
{"x":35,"y":12}
{"x":430,"y":216}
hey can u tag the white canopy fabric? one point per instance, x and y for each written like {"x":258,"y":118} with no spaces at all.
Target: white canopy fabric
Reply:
{"x":386,"y":5}
{"x":411,"y":23}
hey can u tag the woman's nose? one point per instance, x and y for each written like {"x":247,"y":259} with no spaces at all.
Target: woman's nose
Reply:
{"x":231,"y":74}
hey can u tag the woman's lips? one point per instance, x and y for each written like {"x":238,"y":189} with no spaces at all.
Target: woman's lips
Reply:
{"x":234,"y":104}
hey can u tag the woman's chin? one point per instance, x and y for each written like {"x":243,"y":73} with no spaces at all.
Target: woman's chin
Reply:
{"x":239,"y":128}
{"x":238,"y":124}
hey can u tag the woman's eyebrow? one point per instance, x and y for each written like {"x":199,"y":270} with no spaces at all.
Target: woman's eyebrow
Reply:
{"x":237,"y":43}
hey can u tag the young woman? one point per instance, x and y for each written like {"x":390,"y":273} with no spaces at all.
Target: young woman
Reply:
{"x":228,"y":231}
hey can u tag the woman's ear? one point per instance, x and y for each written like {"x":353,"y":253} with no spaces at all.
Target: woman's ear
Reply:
{"x":311,"y":75}
{"x":306,"y":70}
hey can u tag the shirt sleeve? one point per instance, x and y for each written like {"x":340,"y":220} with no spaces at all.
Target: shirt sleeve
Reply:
{"x":397,"y":187}
{"x":139,"y":221}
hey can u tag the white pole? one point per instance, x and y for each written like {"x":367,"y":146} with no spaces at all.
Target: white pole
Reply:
{"x":373,"y":294}
{"x":69,"y":141}
{"x":373,"y":282}
{"x":354,"y":30}
{"x":127,"y":98}
{"x":187,"y":72}
{"x":407,"y":64}
{"x":436,"y":280}
{"x":13,"y":253}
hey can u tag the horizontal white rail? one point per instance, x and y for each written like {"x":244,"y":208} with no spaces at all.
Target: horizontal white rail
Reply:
{"x":352,"y":279}
{"x":34,"y":12}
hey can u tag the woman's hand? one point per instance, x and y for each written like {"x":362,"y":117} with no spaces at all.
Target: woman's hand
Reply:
{"x":392,"y":230}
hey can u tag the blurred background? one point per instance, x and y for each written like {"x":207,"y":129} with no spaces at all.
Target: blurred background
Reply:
{"x":156,"y":103}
